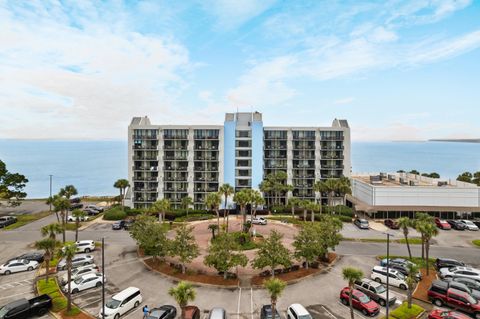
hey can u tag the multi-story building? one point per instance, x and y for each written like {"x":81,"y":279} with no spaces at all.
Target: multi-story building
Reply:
{"x":170,"y":161}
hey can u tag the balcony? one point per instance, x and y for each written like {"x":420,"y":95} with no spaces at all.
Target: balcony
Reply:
{"x":175,"y":179}
{"x":206,"y":158}
{"x":145,"y":137}
{"x":331,"y":167}
{"x":331,"y":156}
{"x":332,"y":138}
{"x":175,"y":168}
{"x":206,"y":169}
{"x":306,"y":176}
{"x":175,"y":158}
{"x":145,"y":147}
{"x":145,"y":178}
{"x":145,"y":168}
{"x":145,"y":158}
{"x":331,"y":147}
{"x":177,"y":147}
{"x":146,"y":189}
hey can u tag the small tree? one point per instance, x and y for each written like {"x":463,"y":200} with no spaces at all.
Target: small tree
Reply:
{"x":411,"y":280}
{"x":275,"y":288}
{"x":121,"y":184}
{"x":223,"y":255}
{"x":293,"y":202}
{"x":242,"y":199}
{"x":182,"y":293}
{"x":308,"y":243}
{"x":78,"y":214}
{"x":184,"y":246}
{"x":272,"y":253}
{"x":51,"y":230}
{"x":213,"y":228}
{"x":330,"y":237}
{"x":226,"y":190}
{"x":256,"y":200}
{"x":161,"y":207}
{"x":48,"y":245}
{"x":68,"y":252}
{"x":50,"y":200}
{"x":404,"y":223}
{"x":187,"y":202}
{"x":213,"y":201}
{"x":421,"y":220}
{"x":351,"y":275}
{"x":429,"y":231}
{"x":150,"y":236}
{"x":11,"y":186}
{"x":304,"y":204}
{"x":62,"y":204}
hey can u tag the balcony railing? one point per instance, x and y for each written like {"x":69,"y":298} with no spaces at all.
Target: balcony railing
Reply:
{"x":145,"y":178}
{"x":176,"y":158}
{"x":332,"y":138}
{"x":145,"y":147}
{"x":175,"y":179}
{"x":331,"y":156}
{"x":145,"y":158}
{"x":175,"y":168}
{"x":206,"y":169}
{"x":144,"y":137}
{"x":331,"y":167}
{"x":176,"y":147}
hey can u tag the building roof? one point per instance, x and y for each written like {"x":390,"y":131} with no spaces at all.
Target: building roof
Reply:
{"x":408,"y":180}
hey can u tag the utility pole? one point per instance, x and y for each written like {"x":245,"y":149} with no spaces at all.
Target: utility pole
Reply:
{"x":387,"y":304}
{"x":103,"y":278}
{"x":50,"y":192}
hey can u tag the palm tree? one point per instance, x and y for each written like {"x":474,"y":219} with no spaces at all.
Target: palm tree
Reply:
{"x":51,"y":230}
{"x":48,"y":245}
{"x":213,"y":201}
{"x":275,"y":288}
{"x":256,"y":200}
{"x":68,"y":191}
{"x":421,"y":220}
{"x":226,"y":190}
{"x":121,"y":184}
{"x":332,"y":186}
{"x":242,"y":199}
{"x":304,"y":204}
{"x":161,"y":206}
{"x":50,"y":201}
{"x":183,"y":293}
{"x":62,"y":204}
{"x":351,"y":274}
{"x":312,"y":207}
{"x":266,"y":187}
{"x":213,"y":228}
{"x":430,"y":230}
{"x":404,"y":223}
{"x":293,"y":202}
{"x":78,"y":214}
{"x":187,"y":201}
{"x":68,"y":252}
{"x":411,"y":280}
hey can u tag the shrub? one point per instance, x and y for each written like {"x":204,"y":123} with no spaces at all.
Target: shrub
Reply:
{"x":133,"y":211}
{"x":115,"y":213}
{"x":339,"y":210}
{"x":476,"y":242}
{"x":280,"y":210}
{"x":193,"y":217}
{"x":345,"y":219}
{"x":403,"y":312}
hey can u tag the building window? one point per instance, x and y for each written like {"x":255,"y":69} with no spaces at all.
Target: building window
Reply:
{"x":247,"y":143}
{"x":244,"y":153}
{"x":243,"y":134}
{"x":244,"y":163}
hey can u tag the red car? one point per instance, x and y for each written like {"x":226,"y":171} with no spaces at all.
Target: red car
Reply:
{"x":442,"y":314}
{"x":442,"y":224}
{"x":360,"y":302}
{"x":392,"y":224}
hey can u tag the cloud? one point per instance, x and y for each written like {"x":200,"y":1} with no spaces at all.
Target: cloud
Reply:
{"x":347,"y":100}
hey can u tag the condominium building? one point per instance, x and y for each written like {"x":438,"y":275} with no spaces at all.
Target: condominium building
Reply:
{"x":174,"y":161}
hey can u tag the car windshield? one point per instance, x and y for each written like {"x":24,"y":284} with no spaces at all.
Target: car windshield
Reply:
{"x":112,"y":304}
{"x":400,"y":275}
{"x":471,"y":300}
{"x":380,"y":289}
{"x":77,"y":280}
{"x":305,"y":317}
{"x":363,"y":298}
{"x":3,"y":311}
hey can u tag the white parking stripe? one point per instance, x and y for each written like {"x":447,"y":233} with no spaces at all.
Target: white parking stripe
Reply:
{"x":89,"y":304}
{"x":329,"y":313}
{"x":251,"y":303}
{"x":9,"y":296}
{"x":238,"y":304}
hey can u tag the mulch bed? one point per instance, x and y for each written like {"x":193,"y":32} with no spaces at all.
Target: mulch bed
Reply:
{"x":195,"y":277}
{"x":421,"y":293}
{"x":80,"y":315}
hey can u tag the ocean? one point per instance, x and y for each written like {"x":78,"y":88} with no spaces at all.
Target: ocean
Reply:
{"x":93,"y":166}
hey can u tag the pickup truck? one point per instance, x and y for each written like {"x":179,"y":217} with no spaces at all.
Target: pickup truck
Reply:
{"x":454,"y":298}
{"x":23,"y":308}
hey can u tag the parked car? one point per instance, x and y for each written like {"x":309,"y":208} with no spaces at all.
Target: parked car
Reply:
{"x":465,"y":272}
{"x":118,"y":225}
{"x":266,"y":312}
{"x":376,"y":291}
{"x":360,"y":301}
{"x":470,"y":283}
{"x":396,"y":278}
{"x":469,"y":224}
{"x":296,"y":311}
{"x":454,"y":298}
{"x":7,"y":220}
{"x":75,"y":206}
{"x":18,"y":265}
{"x":85,"y":246}
{"x":77,"y":261}
{"x":91,"y":212}
{"x":361,"y":223}
{"x":259,"y":221}
{"x":84,"y":282}
{"x":447,"y":263}
{"x":121,"y":303}
{"x":476,"y":222}
{"x":442,"y":224}
{"x":456,"y":224}
{"x":392,"y":224}
{"x":94,"y":207}
{"x":398,"y":261}
{"x":402,"y":267}
{"x":74,"y":219}
{"x":217,"y":313}
{"x":446,"y":314}
{"x":163,"y":312}
{"x":75,"y":200}
{"x":35,"y":256}
{"x":128,"y":224}
{"x":446,"y":284}
{"x":80,"y":271}
{"x":23,"y":308}
{"x":191,"y":312}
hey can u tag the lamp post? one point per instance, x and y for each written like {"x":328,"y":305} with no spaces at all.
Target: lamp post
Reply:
{"x":103,"y":277}
{"x":387,"y":304}
{"x":50,"y":201}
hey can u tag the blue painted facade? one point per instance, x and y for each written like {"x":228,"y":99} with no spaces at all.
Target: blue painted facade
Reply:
{"x":229,"y":153}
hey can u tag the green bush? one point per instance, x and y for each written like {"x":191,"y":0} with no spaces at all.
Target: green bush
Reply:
{"x":476,"y":242}
{"x":280,"y":210}
{"x":344,"y":219}
{"x":193,"y":217}
{"x":403,"y":312}
{"x":132,"y":211}
{"x":115,"y":213}
{"x":339,"y":210}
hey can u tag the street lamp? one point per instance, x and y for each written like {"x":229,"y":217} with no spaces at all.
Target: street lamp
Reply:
{"x":387,"y":304}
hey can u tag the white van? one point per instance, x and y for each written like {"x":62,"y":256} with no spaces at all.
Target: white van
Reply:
{"x":297,"y":311}
{"x":121,"y":303}
{"x":395,"y":278}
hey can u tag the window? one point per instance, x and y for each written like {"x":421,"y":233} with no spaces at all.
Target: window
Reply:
{"x":244,"y":143}
{"x":244,"y":163}
{"x":244,"y":153}
{"x":243,"y":133}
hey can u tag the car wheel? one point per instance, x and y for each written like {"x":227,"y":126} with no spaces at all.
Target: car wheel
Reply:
{"x":378,"y":280}
{"x":41,"y":312}
{"x":98,"y":284}
{"x":365,"y":312}
{"x":64,"y":267}
{"x":74,"y":291}
{"x":7,"y":272}
{"x":136,"y":304}
{"x":345,"y":302}
{"x":382,"y":302}
{"x":402,"y":286}
{"x":438,"y":302}
{"x":87,"y":250}
{"x":86,"y":263}
{"x":30,"y":268}
{"x":117,"y":316}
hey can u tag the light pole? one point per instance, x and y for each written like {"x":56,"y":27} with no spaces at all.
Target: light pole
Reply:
{"x":50,"y":201}
{"x":103,"y":278}
{"x":387,"y":304}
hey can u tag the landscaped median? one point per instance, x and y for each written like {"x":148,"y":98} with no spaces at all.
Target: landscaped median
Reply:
{"x":59,"y":301}
{"x":24,"y":219}
{"x":402,"y":312}
{"x":476,"y":242}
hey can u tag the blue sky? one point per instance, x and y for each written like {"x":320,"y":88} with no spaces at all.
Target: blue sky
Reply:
{"x":397,"y":70}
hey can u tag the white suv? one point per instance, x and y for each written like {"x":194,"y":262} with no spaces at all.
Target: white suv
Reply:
{"x":84,"y":282}
{"x":464,"y":272}
{"x":74,"y":219}
{"x":395,"y":278}
{"x":121,"y":303}
{"x":297,"y":311}
{"x":258,"y":221}
{"x":80,"y":271}
{"x":85,"y":246}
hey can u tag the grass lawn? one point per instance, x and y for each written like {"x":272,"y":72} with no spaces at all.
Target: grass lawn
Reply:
{"x":403,"y":312}
{"x":194,"y":217}
{"x":59,"y":302}
{"x":476,"y":242}
{"x":27,"y":218}
{"x":288,"y":219}
{"x":411,"y":241}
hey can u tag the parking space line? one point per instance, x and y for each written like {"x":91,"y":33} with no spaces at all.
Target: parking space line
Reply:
{"x":329,"y":313}
{"x":22,"y":293}
{"x":356,"y":312}
{"x":89,"y":304}
{"x":238,"y":303}
{"x":251,"y":303}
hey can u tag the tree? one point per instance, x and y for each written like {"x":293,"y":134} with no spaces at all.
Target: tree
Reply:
{"x":351,"y":275}
{"x":150,"y":236}
{"x":476,"y":178}
{"x":430,"y":230}
{"x":276,"y":184}
{"x":50,"y":201}
{"x":307,"y":243}
{"x":293,"y":202}
{"x":414,"y":171}
{"x":68,"y":252}
{"x":411,"y":280}
{"x":404,"y":223}
{"x":256,"y":199}
{"x":272,"y":253}
{"x":242,"y":199}
{"x":226,"y":190}
{"x":223,"y":255}
{"x":187,"y":202}
{"x":332,"y":186}
{"x":11,"y":186}
{"x":330,"y":228}
{"x":68,"y":191}
{"x":304,"y":204}
{"x":62,"y":204}
{"x":184,"y":246}
{"x":465,"y":177}
{"x":121,"y":184}
{"x":78,"y":214}
{"x":213,"y":201}
{"x":51,"y":230}
{"x":275,"y":288}
{"x":161,"y":207}
{"x":48,"y":245}
{"x":213,"y":228}
{"x":182,"y":293}
{"x":421,"y":220}
{"x":312,"y":207}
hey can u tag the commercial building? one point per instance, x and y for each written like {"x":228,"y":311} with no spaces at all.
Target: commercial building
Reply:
{"x":174,"y":161}
{"x":391,"y":195}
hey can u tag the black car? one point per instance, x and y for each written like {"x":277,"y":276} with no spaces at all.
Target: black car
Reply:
{"x":456,"y":224}
{"x":118,"y":225}
{"x":128,"y":224}
{"x":23,"y":308}
{"x":476,"y":222}
{"x":447,"y":263}
{"x":404,"y":270}
{"x":91,"y":211}
{"x":35,"y":256}
{"x":266,"y":312}
{"x":75,"y":200}
{"x":163,"y":312}
{"x":75,"y":206}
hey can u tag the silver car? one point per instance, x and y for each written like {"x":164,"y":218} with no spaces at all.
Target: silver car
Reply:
{"x":376,"y":291}
{"x":80,"y":271}
{"x":77,"y":261}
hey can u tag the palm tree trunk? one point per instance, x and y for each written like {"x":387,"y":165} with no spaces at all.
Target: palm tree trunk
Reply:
{"x":218,"y":218}
{"x":409,"y":298}
{"x":423,"y":247}
{"x":306,"y":263}
{"x":62,"y":213}
{"x":304,"y":215}
{"x":77,"y":222}
{"x":58,"y":218}
{"x":274,"y":307}
{"x":69,"y":294}
{"x":293,"y":211}
{"x":120,"y":196}
{"x":47,"y":270}
{"x":405,"y":233}
{"x":228,"y":214}
{"x":313,"y":216}
{"x":183,"y":312}
{"x":350,"y":303}
{"x":427,"y":252}
{"x":183,"y":268}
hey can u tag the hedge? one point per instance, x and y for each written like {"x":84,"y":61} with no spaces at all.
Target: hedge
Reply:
{"x":115,"y":213}
{"x":402,"y":312}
